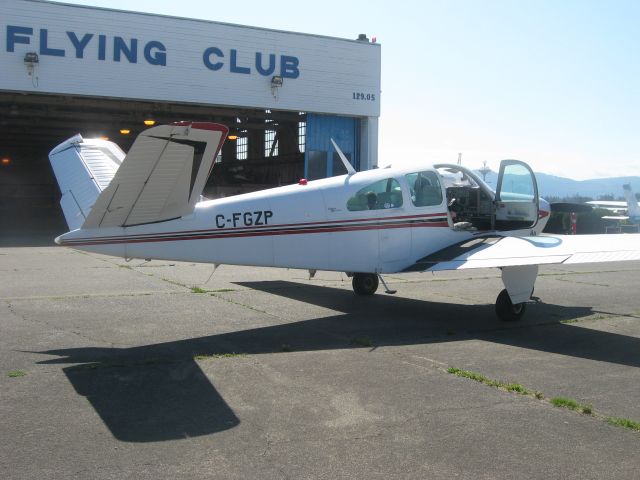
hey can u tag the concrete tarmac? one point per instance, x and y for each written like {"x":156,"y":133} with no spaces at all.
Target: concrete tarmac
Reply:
{"x":116,"y":370}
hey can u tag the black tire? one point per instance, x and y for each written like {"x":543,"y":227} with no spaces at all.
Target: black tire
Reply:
{"x":507,"y":311}
{"x":365,"y":283}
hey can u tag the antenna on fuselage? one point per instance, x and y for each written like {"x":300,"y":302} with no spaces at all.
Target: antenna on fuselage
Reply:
{"x":345,"y":162}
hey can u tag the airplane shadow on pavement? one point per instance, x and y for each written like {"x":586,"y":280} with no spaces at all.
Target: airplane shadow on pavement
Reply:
{"x":158,"y":392}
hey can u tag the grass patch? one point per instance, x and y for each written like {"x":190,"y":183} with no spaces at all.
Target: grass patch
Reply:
{"x":624,"y":422}
{"x":516,"y":387}
{"x":223,"y":290}
{"x":467,"y":374}
{"x":198,"y":290}
{"x":561,"y":402}
{"x":478,"y":377}
{"x":212,"y":356}
{"x":16,"y":373}
{"x":571,"y":404}
{"x":362,"y":341}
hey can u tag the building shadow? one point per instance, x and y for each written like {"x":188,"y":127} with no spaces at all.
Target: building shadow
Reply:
{"x":158,"y":392}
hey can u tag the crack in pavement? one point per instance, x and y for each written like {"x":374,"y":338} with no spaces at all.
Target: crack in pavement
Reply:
{"x":56,"y":328}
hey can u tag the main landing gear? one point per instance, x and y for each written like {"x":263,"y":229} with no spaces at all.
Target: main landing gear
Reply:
{"x":365,"y":283}
{"x":519,"y":280}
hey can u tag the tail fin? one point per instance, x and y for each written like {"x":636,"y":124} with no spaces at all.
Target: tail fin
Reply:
{"x":83,"y":169}
{"x":161,"y":178}
{"x":632,"y":203}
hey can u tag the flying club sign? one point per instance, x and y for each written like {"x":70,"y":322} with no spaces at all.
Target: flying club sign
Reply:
{"x":152,"y":52}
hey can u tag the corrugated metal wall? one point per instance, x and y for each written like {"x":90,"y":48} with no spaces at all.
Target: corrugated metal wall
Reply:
{"x":319,"y":152}
{"x":100,"y":52}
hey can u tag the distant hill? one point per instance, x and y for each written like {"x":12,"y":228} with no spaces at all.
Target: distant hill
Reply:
{"x":552,"y":186}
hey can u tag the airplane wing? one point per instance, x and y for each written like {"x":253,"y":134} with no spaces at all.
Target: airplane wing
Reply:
{"x":501,"y":251}
{"x":161,"y":177}
{"x":622,"y":217}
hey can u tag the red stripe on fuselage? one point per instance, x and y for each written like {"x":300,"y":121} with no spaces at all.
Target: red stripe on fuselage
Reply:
{"x":238,"y":233}
{"x":254,"y":227}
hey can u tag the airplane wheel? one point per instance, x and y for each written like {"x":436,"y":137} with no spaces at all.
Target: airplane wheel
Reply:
{"x":365,"y":283}
{"x":507,"y":311}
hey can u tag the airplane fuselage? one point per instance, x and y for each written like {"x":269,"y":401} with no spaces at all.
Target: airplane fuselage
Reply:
{"x":320,"y":225}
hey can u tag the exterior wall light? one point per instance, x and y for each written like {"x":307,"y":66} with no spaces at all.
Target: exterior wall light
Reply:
{"x":276,"y":83}
{"x":232,"y":137}
{"x":5,"y":161}
{"x":125,"y":131}
{"x":31,"y":61}
{"x":149,"y":122}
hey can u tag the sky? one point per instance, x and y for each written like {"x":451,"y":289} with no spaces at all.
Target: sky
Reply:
{"x":555,"y":83}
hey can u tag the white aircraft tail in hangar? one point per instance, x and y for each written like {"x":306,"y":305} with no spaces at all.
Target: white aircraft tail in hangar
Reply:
{"x":148,"y":205}
{"x":629,"y":206}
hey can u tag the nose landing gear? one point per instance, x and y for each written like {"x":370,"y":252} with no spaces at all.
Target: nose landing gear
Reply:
{"x":508,"y":311}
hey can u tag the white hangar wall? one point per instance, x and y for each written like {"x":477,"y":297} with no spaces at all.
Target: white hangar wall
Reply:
{"x":99,"y":52}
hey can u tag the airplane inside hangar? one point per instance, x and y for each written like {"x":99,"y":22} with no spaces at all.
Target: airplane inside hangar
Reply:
{"x":89,"y":71}
{"x":264,"y":149}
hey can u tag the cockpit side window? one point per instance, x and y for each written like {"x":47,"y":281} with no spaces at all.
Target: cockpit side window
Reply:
{"x":425,"y":189}
{"x":380,"y":195}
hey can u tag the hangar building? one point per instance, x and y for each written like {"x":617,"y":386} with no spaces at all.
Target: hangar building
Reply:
{"x":69,"y":69}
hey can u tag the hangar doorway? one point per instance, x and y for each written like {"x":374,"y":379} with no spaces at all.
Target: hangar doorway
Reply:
{"x":265,"y":149}
{"x":321,"y":159}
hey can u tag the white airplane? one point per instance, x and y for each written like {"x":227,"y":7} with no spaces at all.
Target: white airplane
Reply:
{"x":147,"y":204}
{"x":630,"y":207}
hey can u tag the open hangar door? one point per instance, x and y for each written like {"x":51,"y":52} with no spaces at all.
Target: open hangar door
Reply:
{"x":265,"y":149}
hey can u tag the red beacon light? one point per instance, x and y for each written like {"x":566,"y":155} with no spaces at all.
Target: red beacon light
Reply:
{"x":302,"y":181}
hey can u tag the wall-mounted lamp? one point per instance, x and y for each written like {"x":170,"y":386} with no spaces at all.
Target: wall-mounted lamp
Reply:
{"x":149,"y":122}
{"x":6,"y":161}
{"x":31,"y":60}
{"x":276,"y":83}
{"x":232,"y":137}
{"x":125,"y":131}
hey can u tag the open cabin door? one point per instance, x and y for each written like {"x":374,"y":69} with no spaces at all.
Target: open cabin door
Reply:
{"x":516,"y":201}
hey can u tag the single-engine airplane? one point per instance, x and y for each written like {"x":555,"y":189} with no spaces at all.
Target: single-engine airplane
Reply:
{"x":147,"y":204}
